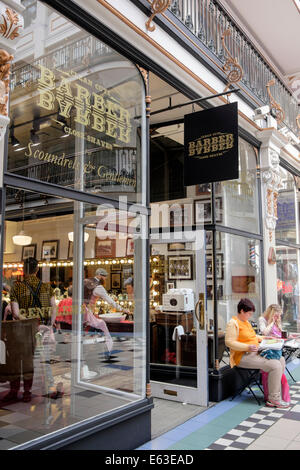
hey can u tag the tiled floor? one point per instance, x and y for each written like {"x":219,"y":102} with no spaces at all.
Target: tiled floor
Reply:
{"x":22,"y":422}
{"x":238,"y":425}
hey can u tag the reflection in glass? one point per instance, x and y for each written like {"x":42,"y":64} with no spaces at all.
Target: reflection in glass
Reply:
{"x":238,"y":276}
{"x":287,"y":221}
{"x":93,"y":360}
{"x":288,"y":286}
{"x":77,"y":109}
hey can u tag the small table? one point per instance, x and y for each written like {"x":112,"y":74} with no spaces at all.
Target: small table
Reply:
{"x":288,"y":350}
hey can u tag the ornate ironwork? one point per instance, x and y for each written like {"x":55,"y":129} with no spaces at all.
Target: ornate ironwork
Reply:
{"x":231,"y":67}
{"x":207,"y":20}
{"x":158,"y":6}
{"x":275,"y":107}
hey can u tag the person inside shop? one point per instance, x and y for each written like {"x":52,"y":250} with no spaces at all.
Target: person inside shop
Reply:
{"x":31,"y":300}
{"x":243,"y":343}
{"x":269,"y":324}
{"x":128,"y":284}
{"x":64,"y":314}
{"x":97,"y":285}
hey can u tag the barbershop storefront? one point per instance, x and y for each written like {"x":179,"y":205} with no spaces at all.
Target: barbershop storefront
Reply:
{"x":84,"y":164}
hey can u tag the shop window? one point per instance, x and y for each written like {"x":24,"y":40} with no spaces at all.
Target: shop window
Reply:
{"x":287,"y":222}
{"x":77,"y":113}
{"x":237,"y":200}
{"x":288,"y":286}
{"x":238,"y":269}
{"x":95,"y":362}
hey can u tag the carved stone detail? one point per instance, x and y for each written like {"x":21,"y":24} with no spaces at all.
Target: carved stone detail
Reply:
{"x":157,"y":6}
{"x":233,"y":69}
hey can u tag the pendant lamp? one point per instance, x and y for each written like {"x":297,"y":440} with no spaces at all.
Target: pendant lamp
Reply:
{"x":22,"y":239}
{"x":71,"y":236}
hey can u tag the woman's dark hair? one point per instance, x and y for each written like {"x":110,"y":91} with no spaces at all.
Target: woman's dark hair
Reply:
{"x":70,"y":291}
{"x":30,"y":266}
{"x":246,"y":305}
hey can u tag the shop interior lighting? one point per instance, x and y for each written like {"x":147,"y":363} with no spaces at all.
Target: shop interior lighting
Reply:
{"x":71,"y":236}
{"x":22,"y":239}
{"x":91,"y":262}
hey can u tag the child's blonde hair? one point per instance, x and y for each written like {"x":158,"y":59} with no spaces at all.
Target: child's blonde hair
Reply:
{"x":269,"y":313}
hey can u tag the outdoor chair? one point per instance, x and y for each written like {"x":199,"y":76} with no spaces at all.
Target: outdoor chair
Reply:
{"x":247,"y":379}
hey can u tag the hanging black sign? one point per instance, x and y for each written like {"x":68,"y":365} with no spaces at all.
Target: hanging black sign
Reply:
{"x":211,"y":145}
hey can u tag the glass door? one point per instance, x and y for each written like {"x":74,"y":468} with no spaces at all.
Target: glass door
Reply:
{"x":178,"y":320}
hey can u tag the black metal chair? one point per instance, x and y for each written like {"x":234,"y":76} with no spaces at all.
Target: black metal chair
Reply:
{"x":247,"y":379}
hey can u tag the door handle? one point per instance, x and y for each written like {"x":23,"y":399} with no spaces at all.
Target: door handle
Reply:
{"x":199,"y":311}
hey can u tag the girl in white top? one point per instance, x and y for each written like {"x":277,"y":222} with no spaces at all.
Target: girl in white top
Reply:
{"x":269,"y":323}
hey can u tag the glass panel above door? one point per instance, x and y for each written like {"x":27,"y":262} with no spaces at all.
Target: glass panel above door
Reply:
{"x":76,"y":116}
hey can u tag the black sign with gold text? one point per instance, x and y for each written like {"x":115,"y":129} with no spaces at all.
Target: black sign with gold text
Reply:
{"x":211,"y":145}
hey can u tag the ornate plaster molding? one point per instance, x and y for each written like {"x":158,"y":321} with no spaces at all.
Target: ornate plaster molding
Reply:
{"x":233,"y":69}
{"x":157,"y":6}
{"x":272,"y":182}
{"x":298,"y":122}
{"x":5,"y":58}
{"x":10,"y":23}
{"x":275,"y":107}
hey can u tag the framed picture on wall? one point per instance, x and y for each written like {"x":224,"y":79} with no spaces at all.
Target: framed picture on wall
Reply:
{"x":115,"y":267}
{"x":171,"y":285}
{"x":180,"y":267}
{"x":50,"y":249}
{"x":204,"y":188}
{"x":203,"y":213}
{"x":176,"y":215}
{"x":130,"y":247}
{"x":70,"y":250}
{"x":209,"y":240}
{"x":176,"y":246}
{"x":219,"y":210}
{"x":115,"y":280}
{"x":219,"y":266}
{"x":29,"y":251}
{"x":105,"y":248}
{"x":202,"y":209}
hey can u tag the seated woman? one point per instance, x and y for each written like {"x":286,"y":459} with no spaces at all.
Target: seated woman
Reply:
{"x":269,"y":324}
{"x":243,"y":344}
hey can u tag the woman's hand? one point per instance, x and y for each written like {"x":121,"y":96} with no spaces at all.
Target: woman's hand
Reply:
{"x":253,"y":348}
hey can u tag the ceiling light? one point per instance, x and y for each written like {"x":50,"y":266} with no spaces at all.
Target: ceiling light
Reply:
{"x":19,"y":149}
{"x":22,"y":239}
{"x":71,"y":236}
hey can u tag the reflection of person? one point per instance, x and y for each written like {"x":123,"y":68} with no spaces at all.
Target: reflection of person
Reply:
{"x":65,"y":309}
{"x":128,"y":284}
{"x":295,"y":300}
{"x":31,"y":299}
{"x":243,"y":342}
{"x":93,"y":289}
{"x":270,"y":325}
{"x":100,"y":291}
